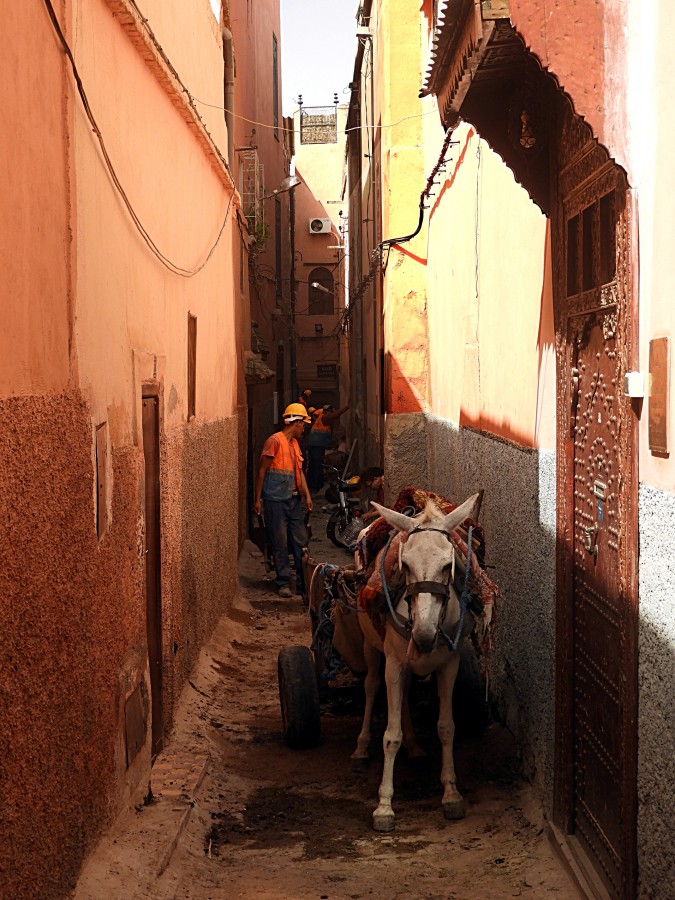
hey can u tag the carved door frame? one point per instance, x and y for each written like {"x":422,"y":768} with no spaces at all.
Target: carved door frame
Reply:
{"x":580,"y":171}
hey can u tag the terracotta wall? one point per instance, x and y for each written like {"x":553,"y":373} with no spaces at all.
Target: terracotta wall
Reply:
{"x":584,"y":44}
{"x":73,"y":618}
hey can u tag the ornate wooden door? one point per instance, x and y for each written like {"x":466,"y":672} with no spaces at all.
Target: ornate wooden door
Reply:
{"x":597,"y":459}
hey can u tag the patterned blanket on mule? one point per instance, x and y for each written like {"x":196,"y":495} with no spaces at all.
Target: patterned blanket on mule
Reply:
{"x":484,"y":593}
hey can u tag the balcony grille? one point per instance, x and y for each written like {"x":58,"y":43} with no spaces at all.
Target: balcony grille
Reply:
{"x":318,"y":125}
{"x":252,"y":189}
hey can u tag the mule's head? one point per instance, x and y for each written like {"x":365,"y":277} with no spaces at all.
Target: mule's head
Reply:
{"x":427,"y":558}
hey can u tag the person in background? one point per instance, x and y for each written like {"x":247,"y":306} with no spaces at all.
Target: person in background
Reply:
{"x":373,"y":479}
{"x":320,"y":439}
{"x":303,"y":440}
{"x":280,"y":486}
{"x":304,"y":398}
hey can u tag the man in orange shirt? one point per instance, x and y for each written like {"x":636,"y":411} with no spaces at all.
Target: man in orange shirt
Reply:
{"x":279,"y":488}
{"x":304,"y":398}
{"x":319,"y":440}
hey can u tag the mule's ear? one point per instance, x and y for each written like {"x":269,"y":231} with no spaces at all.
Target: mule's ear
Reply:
{"x":398,"y":520}
{"x":468,"y":510}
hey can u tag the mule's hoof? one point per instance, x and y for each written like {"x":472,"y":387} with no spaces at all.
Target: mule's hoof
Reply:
{"x":454,"y":809}
{"x":360,"y":764}
{"x":383,"y":822}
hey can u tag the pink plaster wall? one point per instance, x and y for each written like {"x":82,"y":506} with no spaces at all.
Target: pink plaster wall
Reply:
{"x":653,"y":127}
{"x":34,"y":237}
{"x":127,"y":299}
{"x":72,"y":606}
{"x":253,"y":26}
{"x":490,"y":300}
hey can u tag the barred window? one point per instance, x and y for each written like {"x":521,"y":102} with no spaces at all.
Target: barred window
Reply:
{"x":321,"y":292}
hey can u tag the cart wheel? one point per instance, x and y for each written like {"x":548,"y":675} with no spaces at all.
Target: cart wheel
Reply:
{"x":299,"y":697}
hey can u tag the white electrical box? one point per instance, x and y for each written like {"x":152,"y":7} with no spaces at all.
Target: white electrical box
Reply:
{"x":634,"y":384}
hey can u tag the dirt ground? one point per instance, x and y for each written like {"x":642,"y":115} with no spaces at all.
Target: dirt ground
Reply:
{"x":270,"y":822}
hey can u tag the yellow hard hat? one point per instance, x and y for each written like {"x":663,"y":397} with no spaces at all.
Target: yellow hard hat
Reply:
{"x":311,"y":410}
{"x":294,"y":412}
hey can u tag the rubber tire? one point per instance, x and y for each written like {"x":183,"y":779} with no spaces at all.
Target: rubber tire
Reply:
{"x":299,"y":698}
{"x":333,"y":529}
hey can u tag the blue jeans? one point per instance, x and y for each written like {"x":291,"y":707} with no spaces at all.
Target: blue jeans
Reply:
{"x":315,"y":468}
{"x":285,"y":524}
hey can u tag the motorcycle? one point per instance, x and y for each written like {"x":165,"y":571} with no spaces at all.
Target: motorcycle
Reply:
{"x":345,"y":522}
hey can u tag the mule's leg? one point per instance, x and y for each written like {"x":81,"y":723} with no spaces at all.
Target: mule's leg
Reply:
{"x":453,"y":805}
{"x":413,"y":749}
{"x":383,"y":817}
{"x":371,"y":685}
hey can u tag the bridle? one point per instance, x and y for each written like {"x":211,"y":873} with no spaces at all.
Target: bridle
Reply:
{"x":438,"y":588}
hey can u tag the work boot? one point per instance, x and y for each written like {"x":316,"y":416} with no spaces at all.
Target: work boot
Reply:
{"x":285,"y":592}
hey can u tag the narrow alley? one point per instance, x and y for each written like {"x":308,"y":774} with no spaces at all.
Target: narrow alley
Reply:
{"x":420,"y":251}
{"x":265,"y":821}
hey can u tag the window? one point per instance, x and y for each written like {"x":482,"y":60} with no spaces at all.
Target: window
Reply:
{"x":192,"y":367}
{"x":591,"y":246}
{"x":275,"y":85}
{"x":320,"y":292}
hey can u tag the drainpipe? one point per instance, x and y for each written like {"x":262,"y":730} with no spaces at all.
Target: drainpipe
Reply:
{"x":294,"y":363}
{"x":228,"y":59}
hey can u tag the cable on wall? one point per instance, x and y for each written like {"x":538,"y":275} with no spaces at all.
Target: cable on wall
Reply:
{"x":168,"y":263}
{"x":376,"y":257}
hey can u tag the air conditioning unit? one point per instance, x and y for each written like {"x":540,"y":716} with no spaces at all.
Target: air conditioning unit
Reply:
{"x":319,"y":226}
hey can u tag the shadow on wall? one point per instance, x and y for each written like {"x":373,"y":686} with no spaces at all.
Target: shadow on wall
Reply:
{"x":543,"y":425}
{"x":402,"y":396}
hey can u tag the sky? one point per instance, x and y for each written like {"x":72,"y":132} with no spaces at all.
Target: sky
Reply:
{"x":318,"y":48}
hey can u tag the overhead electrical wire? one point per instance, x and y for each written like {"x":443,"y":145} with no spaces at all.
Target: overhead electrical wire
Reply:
{"x":168,"y":263}
{"x":347,"y":130}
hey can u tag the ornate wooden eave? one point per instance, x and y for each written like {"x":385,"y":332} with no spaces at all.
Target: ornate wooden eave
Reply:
{"x":467,"y":33}
{"x":482,"y":72}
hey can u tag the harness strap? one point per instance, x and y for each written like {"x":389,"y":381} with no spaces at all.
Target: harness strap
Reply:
{"x":463,"y":600}
{"x":429,"y":587}
{"x":419,"y":530}
{"x":403,"y":628}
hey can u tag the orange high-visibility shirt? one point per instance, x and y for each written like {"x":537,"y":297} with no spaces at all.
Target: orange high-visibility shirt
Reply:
{"x":284,"y":476}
